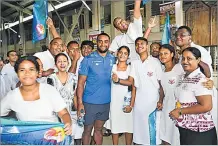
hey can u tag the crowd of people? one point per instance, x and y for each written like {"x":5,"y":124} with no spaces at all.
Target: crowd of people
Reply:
{"x":56,"y":85}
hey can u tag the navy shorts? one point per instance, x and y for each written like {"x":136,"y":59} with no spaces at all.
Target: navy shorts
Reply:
{"x":96,"y":112}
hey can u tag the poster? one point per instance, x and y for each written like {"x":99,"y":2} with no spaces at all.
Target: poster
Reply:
{"x":32,"y":133}
{"x":93,"y":37}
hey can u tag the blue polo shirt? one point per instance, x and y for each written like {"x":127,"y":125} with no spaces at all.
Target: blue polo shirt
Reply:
{"x":98,"y":82}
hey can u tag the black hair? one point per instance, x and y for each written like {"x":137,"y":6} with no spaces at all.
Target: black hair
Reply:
{"x":8,"y":53}
{"x":60,"y":54}
{"x":44,"y":48}
{"x":103,"y":33}
{"x":157,"y":44}
{"x":54,"y":40}
{"x":194,"y":51}
{"x":187,"y":28}
{"x":87,"y":42}
{"x":72,"y":42}
{"x":127,"y":48}
{"x":170,"y":48}
{"x":142,"y":39}
{"x":28,"y":58}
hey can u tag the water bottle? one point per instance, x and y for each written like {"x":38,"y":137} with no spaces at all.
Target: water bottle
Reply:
{"x":127,"y":99}
{"x":80,"y":120}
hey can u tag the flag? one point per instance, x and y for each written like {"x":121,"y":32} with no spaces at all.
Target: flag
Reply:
{"x":152,"y":127}
{"x":166,"y":34}
{"x":40,"y":15}
{"x":32,"y":133}
{"x":145,"y":1}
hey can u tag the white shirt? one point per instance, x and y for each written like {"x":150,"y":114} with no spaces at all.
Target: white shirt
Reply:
{"x":6,"y":85}
{"x":47,"y":59}
{"x":9,"y":70}
{"x":128,"y":39}
{"x":43,"y":109}
{"x":186,"y":91}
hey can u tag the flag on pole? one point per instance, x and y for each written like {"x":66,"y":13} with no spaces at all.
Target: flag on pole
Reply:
{"x":166,"y":34}
{"x":40,"y":15}
{"x":145,"y":2}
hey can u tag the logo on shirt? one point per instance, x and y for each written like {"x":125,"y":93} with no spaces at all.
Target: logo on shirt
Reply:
{"x":171,"y":81}
{"x":150,"y":74}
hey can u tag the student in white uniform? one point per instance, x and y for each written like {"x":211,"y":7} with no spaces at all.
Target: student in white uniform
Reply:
{"x":33,"y":101}
{"x":130,"y":31}
{"x":193,"y":112}
{"x":146,"y":74}
{"x":9,"y":67}
{"x":6,"y":83}
{"x":123,"y":124}
{"x":184,"y":40}
{"x":169,"y":133}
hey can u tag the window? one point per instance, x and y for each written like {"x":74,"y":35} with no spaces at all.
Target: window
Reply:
{"x":81,"y":21}
{"x":107,"y":14}
{"x":90,"y":19}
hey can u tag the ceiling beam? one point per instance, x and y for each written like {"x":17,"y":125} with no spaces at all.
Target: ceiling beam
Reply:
{"x":17,"y":8}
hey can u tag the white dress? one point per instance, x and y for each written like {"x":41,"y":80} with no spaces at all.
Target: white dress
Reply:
{"x":67,"y":93}
{"x":146,"y":76}
{"x":120,"y":122}
{"x":43,"y":109}
{"x":168,"y":131}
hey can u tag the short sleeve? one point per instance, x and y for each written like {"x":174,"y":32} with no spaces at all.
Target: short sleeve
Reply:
{"x":159,"y":71}
{"x":6,"y":104}
{"x":133,"y":74}
{"x":57,"y":101}
{"x":200,"y":90}
{"x":114,"y":45}
{"x":84,"y":67}
{"x":138,"y":23}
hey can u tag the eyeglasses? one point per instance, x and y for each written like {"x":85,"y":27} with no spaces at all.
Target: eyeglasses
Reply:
{"x":182,"y":35}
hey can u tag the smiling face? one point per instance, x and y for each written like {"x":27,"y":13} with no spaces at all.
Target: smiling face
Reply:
{"x":183,"y":38}
{"x":122,"y":55}
{"x":121,"y":24}
{"x":103,"y":43}
{"x":27,"y":73}
{"x":62,"y":63}
{"x":86,"y":50}
{"x":141,"y":46}
{"x":189,"y":62}
{"x":56,"y":46}
{"x":165,"y":55}
{"x":155,"y":49}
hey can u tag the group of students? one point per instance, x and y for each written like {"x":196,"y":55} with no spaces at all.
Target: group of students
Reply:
{"x":179,"y":90}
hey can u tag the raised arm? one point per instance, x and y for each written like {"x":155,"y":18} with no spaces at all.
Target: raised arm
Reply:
{"x":137,"y":13}
{"x":52,"y":28}
{"x":152,"y":23}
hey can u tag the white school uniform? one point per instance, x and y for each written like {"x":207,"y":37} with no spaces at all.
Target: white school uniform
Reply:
{"x":124,"y":123}
{"x":128,"y":39}
{"x":168,"y":131}
{"x":9,"y":70}
{"x":43,"y":109}
{"x":146,"y":76}
{"x":6,"y":85}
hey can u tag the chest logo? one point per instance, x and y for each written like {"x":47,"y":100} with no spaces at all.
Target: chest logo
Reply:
{"x":150,"y":74}
{"x":171,"y":81}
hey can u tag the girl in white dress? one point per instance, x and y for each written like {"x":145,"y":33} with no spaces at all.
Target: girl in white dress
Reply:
{"x":121,"y":120}
{"x":169,"y":133}
{"x":65,"y":83}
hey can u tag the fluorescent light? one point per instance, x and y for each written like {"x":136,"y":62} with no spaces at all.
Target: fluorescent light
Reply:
{"x":86,"y":5}
{"x":50,"y":9}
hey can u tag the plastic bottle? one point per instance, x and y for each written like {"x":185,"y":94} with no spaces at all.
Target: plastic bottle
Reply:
{"x":80,"y":120}
{"x":127,"y":99}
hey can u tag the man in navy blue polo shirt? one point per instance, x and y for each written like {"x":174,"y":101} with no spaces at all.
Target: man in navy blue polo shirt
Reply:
{"x":95,"y":76}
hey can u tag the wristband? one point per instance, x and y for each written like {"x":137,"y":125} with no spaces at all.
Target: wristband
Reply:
{"x":118,"y":81}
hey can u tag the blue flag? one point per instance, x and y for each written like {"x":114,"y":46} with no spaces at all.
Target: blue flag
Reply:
{"x":40,"y":15}
{"x":32,"y":133}
{"x":145,"y":1}
{"x":152,"y":127}
{"x":166,"y":34}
